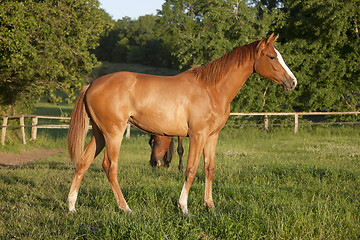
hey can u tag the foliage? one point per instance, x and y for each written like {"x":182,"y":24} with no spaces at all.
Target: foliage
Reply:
{"x":274,"y":185}
{"x":134,"y":41}
{"x":323,"y":39}
{"x":45,"y":47}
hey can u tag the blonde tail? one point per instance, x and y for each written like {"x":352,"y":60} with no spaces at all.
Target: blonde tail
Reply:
{"x":79,"y":125}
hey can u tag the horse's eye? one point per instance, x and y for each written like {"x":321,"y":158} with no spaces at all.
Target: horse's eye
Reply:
{"x":272,"y":58}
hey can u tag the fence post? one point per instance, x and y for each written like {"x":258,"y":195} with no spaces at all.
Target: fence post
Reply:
{"x":34,"y":128}
{"x":127,"y":131}
{"x":22,"y":126}
{"x":3,"y":130}
{"x":296,"y":123}
{"x":266,"y":123}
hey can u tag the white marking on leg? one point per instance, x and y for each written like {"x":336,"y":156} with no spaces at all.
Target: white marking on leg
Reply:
{"x":183,"y":200}
{"x":71,"y":200}
{"x":282,"y":62}
{"x":128,"y":210}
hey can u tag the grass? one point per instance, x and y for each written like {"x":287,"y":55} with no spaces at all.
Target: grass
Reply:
{"x":276,"y":185}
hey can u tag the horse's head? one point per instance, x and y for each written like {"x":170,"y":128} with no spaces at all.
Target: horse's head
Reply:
{"x":270,"y":64}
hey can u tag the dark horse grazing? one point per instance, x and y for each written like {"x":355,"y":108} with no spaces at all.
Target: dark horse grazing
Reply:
{"x":195,"y":103}
{"x":162,"y":150}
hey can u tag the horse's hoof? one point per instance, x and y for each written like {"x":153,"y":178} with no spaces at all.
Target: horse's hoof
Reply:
{"x":72,"y":211}
{"x":130,"y":214}
{"x":184,"y":210}
{"x":128,"y":210}
{"x":211,"y":209}
{"x":186,"y":213}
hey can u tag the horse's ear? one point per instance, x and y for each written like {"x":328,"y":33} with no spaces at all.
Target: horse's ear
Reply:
{"x":276,"y":37}
{"x":271,"y":39}
{"x":261,"y":46}
{"x":266,"y":42}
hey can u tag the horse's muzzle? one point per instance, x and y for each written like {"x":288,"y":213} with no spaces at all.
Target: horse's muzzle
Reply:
{"x":289,"y":84}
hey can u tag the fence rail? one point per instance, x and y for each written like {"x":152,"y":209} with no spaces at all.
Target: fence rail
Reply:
{"x":35,"y":119}
{"x":35,"y":126}
{"x":296,"y":116}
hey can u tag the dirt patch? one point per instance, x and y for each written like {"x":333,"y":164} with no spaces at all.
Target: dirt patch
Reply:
{"x":11,"y":159}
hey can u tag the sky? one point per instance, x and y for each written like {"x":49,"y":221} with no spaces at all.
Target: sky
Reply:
{"x":130,"y":8}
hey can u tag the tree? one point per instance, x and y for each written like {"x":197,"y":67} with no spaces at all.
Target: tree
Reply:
{"x":135,"y":41}
{"x":114,"y":43}
{"x":145,"y":45}
{"x":323,"y":39}
{"x":45,"y":47}
{"x":200,"y":31}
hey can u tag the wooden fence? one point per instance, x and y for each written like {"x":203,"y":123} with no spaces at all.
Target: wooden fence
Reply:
{"x":35,"y":119}
{"x":35,"y":126}
{"x":296,"y":116}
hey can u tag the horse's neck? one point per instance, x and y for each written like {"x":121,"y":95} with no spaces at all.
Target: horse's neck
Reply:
{"x":231,"y":84}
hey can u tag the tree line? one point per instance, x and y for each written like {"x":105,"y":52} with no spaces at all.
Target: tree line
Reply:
{"x":319,"y":41}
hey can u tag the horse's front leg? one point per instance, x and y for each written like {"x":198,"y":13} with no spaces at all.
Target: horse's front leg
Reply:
{"x":209,"y":166}
{"x":196,"y":146}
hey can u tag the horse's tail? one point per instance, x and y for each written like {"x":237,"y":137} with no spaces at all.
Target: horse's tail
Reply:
{"x":79,"y":125}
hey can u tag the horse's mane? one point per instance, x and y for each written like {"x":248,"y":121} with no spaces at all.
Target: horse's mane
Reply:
{"x":213,"y":72}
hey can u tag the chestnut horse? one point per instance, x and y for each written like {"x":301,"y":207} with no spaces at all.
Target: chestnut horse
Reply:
{"x":195,"y":103}
{"x":162,"y":151}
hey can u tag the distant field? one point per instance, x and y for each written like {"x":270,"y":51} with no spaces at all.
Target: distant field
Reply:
{"x":110,"y":67}
{"x":275,"y":185}
{"x":49,"y":109}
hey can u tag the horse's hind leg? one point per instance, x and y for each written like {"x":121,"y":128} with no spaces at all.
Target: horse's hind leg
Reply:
{"x":91,"y":151}
{"x":110,"y":165}
{"x":180,"y":151}
{"x":169,"y":152}
{"x":152,"y":156}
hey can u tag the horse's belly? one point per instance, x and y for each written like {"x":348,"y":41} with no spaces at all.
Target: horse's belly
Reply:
{"x":160,"y":126}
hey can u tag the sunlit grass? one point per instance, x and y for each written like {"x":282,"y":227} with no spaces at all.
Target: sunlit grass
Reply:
{"x":276,"y":185}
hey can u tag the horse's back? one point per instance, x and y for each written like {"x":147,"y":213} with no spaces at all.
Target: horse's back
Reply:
{"x":142,"y":83}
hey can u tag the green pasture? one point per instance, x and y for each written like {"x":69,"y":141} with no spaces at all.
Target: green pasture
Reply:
{"x":275,"y":185}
